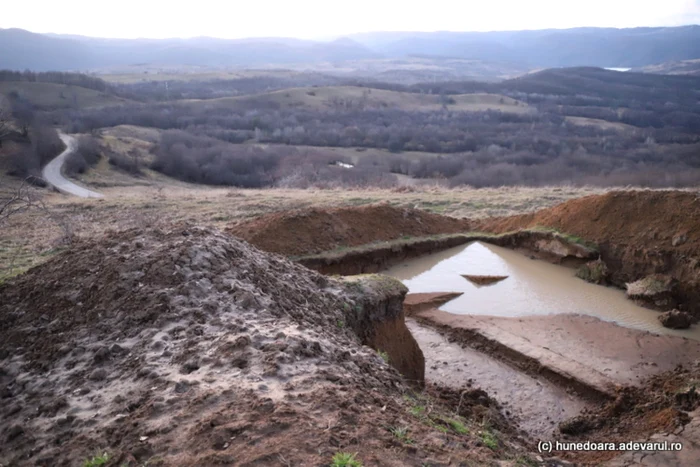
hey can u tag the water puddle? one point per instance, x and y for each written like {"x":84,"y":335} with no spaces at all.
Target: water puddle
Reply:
{"x":531,"y":288}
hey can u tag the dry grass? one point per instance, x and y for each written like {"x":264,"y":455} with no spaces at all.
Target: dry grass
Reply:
{"x":602,"y":124}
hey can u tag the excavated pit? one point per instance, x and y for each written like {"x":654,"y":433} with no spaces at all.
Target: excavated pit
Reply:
{"x":565,"y":344}
{"x":544,"y":343}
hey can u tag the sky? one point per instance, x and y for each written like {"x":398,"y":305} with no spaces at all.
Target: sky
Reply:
{"x":324,"y":19}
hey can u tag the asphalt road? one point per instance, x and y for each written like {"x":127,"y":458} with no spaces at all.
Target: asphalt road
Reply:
{"x":53,"y":174}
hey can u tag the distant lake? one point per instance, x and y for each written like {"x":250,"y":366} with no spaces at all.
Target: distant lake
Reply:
{"x":619,"y":69}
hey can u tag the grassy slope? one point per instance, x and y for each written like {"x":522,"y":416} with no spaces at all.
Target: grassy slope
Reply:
{"x":50,"y":95}
{"x":336,"y":96}
{"x":602,"y":124}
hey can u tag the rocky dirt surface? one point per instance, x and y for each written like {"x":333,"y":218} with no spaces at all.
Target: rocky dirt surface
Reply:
{"x":639,"y":233}
{"x":661,"y":408}
{"x":189,"y":347}
{"x":310,"y":231}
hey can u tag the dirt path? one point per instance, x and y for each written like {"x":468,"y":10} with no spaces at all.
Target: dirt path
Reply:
{"x":52,"y":173}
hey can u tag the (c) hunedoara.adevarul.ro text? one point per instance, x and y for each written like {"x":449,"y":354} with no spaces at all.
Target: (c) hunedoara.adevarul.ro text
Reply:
{"x":558,"y":446}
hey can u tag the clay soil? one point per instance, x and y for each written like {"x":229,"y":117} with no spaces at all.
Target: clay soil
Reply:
{"x":190,"y":347}
{"x":660,"y":405}
{"x":310,"y":231}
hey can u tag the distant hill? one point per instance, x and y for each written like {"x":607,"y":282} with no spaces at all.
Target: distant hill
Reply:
{"x":683,"y":67}
{"x":599,"y":47}
{"x":21,"y":49}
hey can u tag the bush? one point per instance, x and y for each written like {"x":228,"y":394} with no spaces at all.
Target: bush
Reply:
{"x":44,"y":145}
{"x":86,"y":154}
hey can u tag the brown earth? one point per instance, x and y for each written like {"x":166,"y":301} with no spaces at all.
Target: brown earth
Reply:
{"x":484,"y":280}
{"x":310,"y":231}
{"x":189,"y":347}
{"x":638,"y":233}
{"x":660,"y":405}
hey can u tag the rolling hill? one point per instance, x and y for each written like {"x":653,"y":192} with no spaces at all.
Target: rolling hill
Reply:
{"x":351,"y":97}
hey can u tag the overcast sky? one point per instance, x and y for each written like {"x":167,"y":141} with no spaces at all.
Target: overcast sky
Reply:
{"x":327,"y":18}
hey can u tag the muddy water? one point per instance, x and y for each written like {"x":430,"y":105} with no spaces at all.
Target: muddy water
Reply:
{"x":532,"y":288}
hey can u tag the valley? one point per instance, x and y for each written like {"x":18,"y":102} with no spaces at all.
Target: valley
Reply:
{"x":386,"y":249}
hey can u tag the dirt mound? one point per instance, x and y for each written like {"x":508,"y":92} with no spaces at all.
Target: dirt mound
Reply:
{"x":310,"y":231}
{"x":190,"y":347}
{"x":655,"y":219}
{"x":639,"y":233}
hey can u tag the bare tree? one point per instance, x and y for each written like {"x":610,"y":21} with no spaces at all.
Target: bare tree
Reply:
{"x":14,"y":201}
{"x":5,"y":118}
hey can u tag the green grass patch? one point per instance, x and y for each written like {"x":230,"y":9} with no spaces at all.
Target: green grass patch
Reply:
{"x":96,"y":461}
{"x":344,"y":459}
{"x":401,"y":433}
{"x":568,"y":237}
{"x":458,"y":427}
{"x":489,"y":439}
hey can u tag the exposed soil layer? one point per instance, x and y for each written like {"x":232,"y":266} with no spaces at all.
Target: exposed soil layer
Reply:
{"x":639,"y":233}
{"x":310,"y":231}
{"x":379,"y":322}
{"x":663,"y":404}
{"x":484,"y":280}
{"x":189,"y":347}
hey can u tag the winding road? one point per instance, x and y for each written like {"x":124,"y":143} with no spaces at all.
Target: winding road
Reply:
{"x":53,"y":174}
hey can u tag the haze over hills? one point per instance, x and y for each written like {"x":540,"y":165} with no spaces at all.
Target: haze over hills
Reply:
{"x":601,"y":47}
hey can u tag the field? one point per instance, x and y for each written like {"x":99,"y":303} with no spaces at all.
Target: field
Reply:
{"x":349,"y":97}
{"x":602,"y":124}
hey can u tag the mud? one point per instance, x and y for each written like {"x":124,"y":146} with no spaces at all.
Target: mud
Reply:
{"x":189,"y":347}
{"x":598,"y":354}
{"x":534,"y":403}
{"x":650,"y":388}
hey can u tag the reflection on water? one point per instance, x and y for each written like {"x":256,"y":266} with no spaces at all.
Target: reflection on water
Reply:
{"x":532,"y":288}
